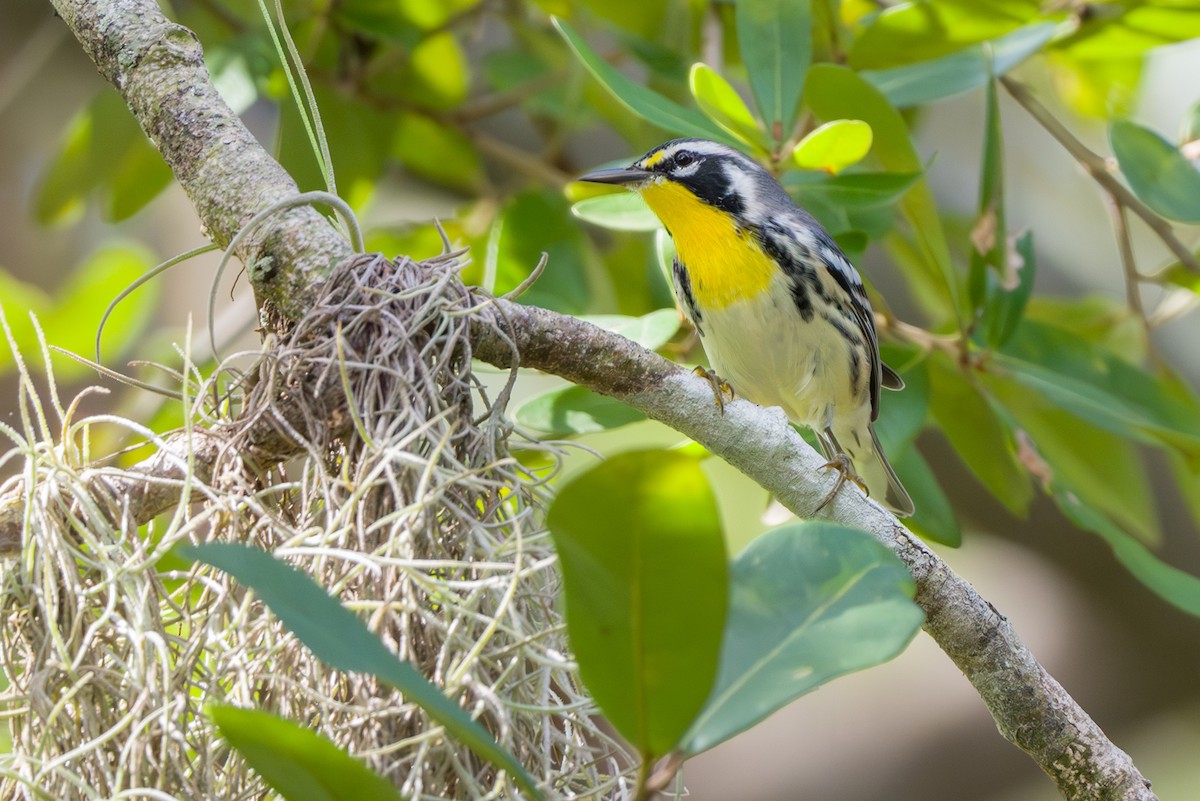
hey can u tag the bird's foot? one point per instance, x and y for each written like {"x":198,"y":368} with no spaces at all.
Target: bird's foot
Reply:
{"x":720,"y":386}
{"x":841,"y":463}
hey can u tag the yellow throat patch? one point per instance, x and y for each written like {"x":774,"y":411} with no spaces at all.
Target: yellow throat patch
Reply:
{"x":723,"y":264}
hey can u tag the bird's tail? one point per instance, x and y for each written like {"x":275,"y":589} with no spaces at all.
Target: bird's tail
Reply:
{"x":873,"y":468}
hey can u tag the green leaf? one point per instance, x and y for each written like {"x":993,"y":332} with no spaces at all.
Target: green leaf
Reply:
{"x":339,"y":638}
{"x":575,"y":410}
{"x":808,"y":602}
{"x":440,"y":74}
{"x":645,"y":102}
{"x":1170,"y":583}
{"x":536,"y":222}
{"x":934,"y":518}
{"x":17,"y":300}
{"x":903,"y":414}
{"x":775,"y":40}
{"x":296,"y":762}
{"x":989,"y":235}
{"x":918,"y":31}
{"x":968,"y":69}
{"x":437,"y":152}
{"x":1180,"y":276}
{"x":834,"y":93}
{"x":72,"y":321}
{"x":359,"y":137}
{"x":724,"y":106}
{"x":1157,"y":171}
{"x":1099,"y":87}
{"x":979,"y":437}
{"x":833,"y":146}
{"x":1105,"y":470}
{"x":861,"y":190}
{"x":1007,"y":298}
{"x":103,"y":149}
{"x":1120,"y":31}
{"x":617,"y":211}
{"x":642,"y":18}
{"x":641,"y":548}
{"x":651,"y":331}
{"x":1095,"y":385}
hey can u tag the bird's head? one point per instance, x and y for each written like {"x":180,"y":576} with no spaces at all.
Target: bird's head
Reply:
{"x":713,"y":173}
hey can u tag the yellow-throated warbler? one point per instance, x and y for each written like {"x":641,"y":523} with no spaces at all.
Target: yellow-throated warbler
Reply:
{"x":782,"y":313}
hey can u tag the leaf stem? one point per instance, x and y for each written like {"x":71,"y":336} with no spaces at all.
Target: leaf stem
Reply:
{"x":1133,"y":292}
{"x":1097,"y":168}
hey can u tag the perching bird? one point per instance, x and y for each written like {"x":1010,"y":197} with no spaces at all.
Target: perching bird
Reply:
{"x":781,"y":312}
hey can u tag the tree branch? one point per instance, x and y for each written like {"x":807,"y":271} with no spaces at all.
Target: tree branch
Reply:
{"x":157,"y":66}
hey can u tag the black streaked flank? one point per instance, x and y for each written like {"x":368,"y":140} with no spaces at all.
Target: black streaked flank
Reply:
{"x":683,"y":288}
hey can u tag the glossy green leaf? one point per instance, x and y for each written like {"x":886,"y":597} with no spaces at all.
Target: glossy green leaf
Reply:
{"x":575,"y":410}
{"x":724,"y":105}
{"x":862,"y":190}
{"x":835,"y":93}
{"x":918,"y":31}
{"x":641,"y":548}
{"x":1170,"y":583}
{"x":339,"y":638}
{"x":296,"y":762}
{"x":1157,"y":171}
{"x":1105,"y":471}
{"x":1008,"y":297}
{"x":808,"y":602}
{"x":641,"y":100}
{"x":1100,"y":387}
{"x":989,"y":234}
{"x":775,"y":40}
{"x":651,"y":330}
{"x":978,"y":435}
{"x":960,"y":72}
{"x":618,"y":211}
{"x":833,"y":146}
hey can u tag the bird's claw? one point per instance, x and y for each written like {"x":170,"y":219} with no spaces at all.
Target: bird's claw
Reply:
{"x":720,"y":386}
{"x":841,"y":463}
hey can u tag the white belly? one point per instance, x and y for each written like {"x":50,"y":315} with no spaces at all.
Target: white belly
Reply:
{"x":771,"y":356}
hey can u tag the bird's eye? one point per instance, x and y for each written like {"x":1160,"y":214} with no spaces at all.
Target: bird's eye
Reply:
{"x":683,"y":158}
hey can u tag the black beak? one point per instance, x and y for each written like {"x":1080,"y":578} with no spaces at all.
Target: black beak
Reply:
{"x":616,"y":175}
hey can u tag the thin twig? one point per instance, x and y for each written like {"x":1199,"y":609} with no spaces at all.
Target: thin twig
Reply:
{"x":1097,"y":167}
{"x":1133,"y":279}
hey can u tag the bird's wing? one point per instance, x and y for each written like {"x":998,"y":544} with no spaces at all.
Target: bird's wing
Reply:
{"x":848,"y":279}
